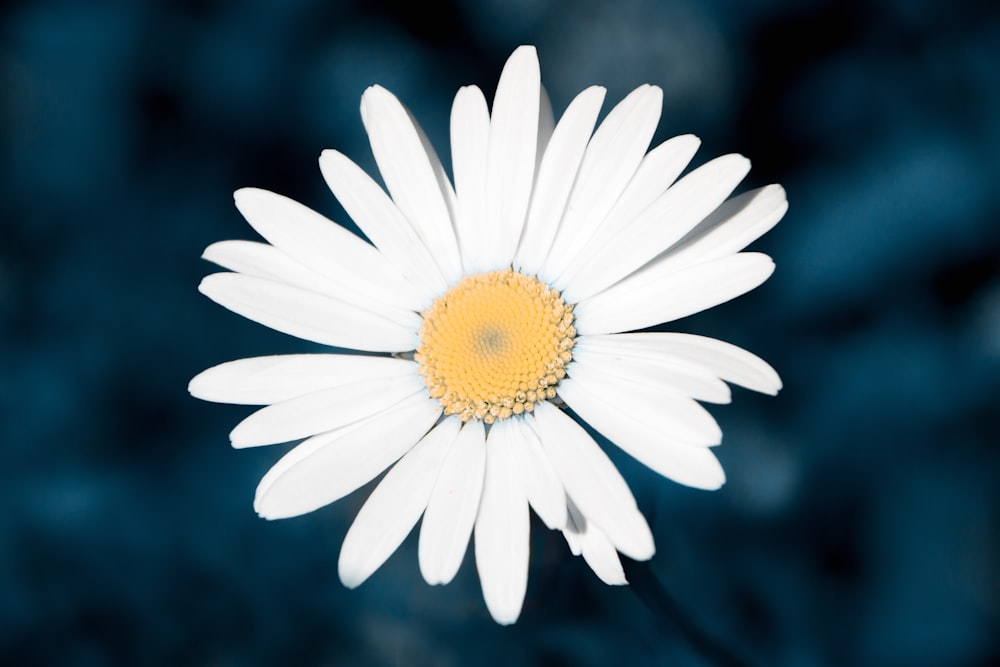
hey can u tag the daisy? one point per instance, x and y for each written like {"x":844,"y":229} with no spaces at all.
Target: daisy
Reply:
{"x":480,"y":310}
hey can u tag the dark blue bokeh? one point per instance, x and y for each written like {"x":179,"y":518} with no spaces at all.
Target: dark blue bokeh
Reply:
{"x":861,"y":521}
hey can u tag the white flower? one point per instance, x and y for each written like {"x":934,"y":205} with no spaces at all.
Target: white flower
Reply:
{"x":500,"y":299}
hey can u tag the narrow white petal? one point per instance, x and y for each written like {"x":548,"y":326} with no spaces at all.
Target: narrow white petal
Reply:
{"x":324,"y":410}
{"x":731,"y":228}
{"x":502,"y":529}
{"x":312,"y":316}
{"x":556,"y":174}
{"x":262,"y":260}
{"x":412,"y":174}
{"x":592,"y":481}
{"x":729,"y":362}
{"x":597,"y":550}
{"x":327,"y":467}
{"x":265,"y":261}
{"x":626,"y":248}
{"x":510,"y":164}
{"x":443,"y":181}
{"x":611,"y":159}
{"x":470,"y":137}
{"x":382,"y":222}
{"x":541,"y":483}
{"x":454,"y":503}
{"x":686,"y":419}
{"x":644,"y":437}
{"x":657,"y":172}
{"x":674,"y":375}
{"x":394,"y":507}
{"x":658,"y":294}
{"x":325,"y":247}
{"x":267,"y":380}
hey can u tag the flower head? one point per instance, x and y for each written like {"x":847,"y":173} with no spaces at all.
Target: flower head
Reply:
{"x":478,"y":311}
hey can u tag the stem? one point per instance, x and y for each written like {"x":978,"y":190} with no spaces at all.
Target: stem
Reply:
{"x":669,"y":613}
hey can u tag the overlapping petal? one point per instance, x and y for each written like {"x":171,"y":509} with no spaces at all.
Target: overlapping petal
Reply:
{"x":542,"y":487}
{"x":324,"y":410}
{"x":649,"y":440}
{"x":593,"y":482}
{"x":362,"y":272}
{"x":724,"y":360}
{"x":382,"y":221}
{"x":312,"y":316}
{"x":394,"y":507}
{"x":611,"y":159}
{"x":685,"y":418}
{"x":556,"y":175}
{"x":453,"y":505}
{"x":412,"y":172}
{"x":588,"y":540}
{"x":731,"y":228}
{"x":327,"y":467}
{"x":658,"y":293}
{"x":671,"y":375}
{"x":623,"y":248}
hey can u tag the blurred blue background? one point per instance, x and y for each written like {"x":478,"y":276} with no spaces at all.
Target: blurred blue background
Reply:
{"x":861,"y":521}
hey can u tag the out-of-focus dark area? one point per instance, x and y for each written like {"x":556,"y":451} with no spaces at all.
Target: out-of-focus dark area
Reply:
{"x":861,"y":521}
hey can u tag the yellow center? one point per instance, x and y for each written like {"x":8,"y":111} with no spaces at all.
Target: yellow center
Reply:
{"x":494,"y":345}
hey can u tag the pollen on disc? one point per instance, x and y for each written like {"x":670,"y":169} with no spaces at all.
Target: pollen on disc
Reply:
{"x":494,"y":345}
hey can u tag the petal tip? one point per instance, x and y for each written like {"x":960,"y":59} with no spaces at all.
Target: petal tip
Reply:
{"x":525,"y":51}
{"x":505,"y":618}
{"x":350,"y":577}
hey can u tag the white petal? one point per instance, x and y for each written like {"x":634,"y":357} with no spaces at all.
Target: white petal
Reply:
{"x":626,"y":248}
{"x":732,"y":364}
{"x":686,"y":419}
{"x":732,"y":227}
{"x":394,"y":507}
{"x":265,"y":261}
{"x":267,"y":380}
{"x":510,"y":164}
{"x":324,"y":410}
{"x":361,"y":271}
{"x":382,"y":222}
{"x":670,"y":375}
{"x":454,"y":503}
{"x":412,"y":175}
{"x":556,"y":174}
{"x":597,"y":550}
{"x":592,"y":481}
{"x":657,"y":172}
{"x":502,"y":529}
{"x":312,"y":316}
{"x":611,"y":159}
{"x":262,"y":260}
{"x":643,"y":437}
{"x":657,"y":294}
{"x":327,"y":467}
{"x":541,"y":483}
{"x":470,"y":137}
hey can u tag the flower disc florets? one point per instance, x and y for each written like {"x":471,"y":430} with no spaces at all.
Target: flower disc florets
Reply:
{"x":494,"y":345}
